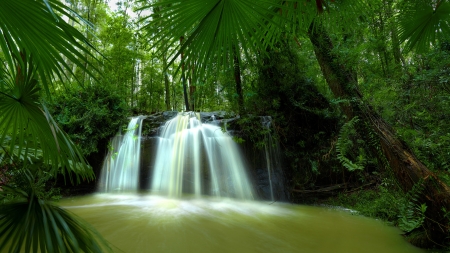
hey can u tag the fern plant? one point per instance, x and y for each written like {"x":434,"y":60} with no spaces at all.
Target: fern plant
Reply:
{"x":345,"y":145}
{"x":412,"y":213}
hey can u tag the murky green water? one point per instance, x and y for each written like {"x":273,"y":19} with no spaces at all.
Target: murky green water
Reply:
{"x":155,"y":224}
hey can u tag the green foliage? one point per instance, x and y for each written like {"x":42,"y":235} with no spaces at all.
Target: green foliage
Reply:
{"x":211,"y":30}
{"x":417,"y":106}
{"x":90,"y":116}
{"x":28,"y":132}
{"x":303,"y":121}
{"x":50,"y":45}
{"x":33,"y":147}
{"x":382,"y":202}
{"x":388,"y":203}
{"x":423,"y":23}
{"x":42,"y":185}
{"x":32,"y":224}
{"x":252,"y":129}
{"x":412,"y":214}
{"x":345,"y":144}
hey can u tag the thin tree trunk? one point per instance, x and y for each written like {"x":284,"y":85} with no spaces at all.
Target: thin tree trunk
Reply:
{"x":192,"y":89}
{"x":238,"y":81}
{"x":183,"y":79}
{"x":166,"y":82}
{"x":405,"y":166}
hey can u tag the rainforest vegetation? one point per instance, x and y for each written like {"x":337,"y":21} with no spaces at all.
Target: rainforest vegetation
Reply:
{"x":359,"y":93}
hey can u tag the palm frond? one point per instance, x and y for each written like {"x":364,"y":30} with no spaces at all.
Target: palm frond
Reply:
{"x":30,"y":224}
{"x":39,"y":27}
{"x":421,"y":24}
{"x":30,"y":129}
{"x":211,"y":29}
{"x":34,"y":225}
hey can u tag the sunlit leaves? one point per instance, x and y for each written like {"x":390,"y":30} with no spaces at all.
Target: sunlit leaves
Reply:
{"x":28,"y":130}
{"x":39,"y":27}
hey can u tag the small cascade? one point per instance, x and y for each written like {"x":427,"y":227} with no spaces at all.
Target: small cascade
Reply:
{"x":120,"y":170}
{"x":272,"y":157}
{"x":199,"y":159}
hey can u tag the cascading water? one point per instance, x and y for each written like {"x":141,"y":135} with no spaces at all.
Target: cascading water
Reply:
{"x":271,"y":151}
{"x":199,"y":159}
{"x":121,"y":167}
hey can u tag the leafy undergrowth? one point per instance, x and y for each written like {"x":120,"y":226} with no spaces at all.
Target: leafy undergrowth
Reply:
{"x":378,"y":202}
{"x":387,"y":203}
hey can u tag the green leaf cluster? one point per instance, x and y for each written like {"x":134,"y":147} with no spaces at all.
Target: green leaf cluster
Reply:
{"x":345,"y":144}
{"x":90,"y":115}
{"x":31,"y":224}
{"x":36,"y":45}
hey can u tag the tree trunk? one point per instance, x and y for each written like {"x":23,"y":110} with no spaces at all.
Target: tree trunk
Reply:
{"x":238,"y":81}
{"x":183,"y":79}
{"x":166,"y":82}
{"x":407,"y":169}
{"x":192,"y":89}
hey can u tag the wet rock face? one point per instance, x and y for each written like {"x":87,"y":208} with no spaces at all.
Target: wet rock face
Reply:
{"x":149,"y":146}
{"x":152,"y":123}
{"x":266,"y":170}
{"x":215,"y":117}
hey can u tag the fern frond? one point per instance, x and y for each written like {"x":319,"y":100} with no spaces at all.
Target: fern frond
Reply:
{"x":343,"y":145}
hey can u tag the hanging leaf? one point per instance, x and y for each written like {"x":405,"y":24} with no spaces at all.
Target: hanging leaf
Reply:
{"x":34,"y":225}
{"x":421,"y":24}
{"x":212,"y":28}
{"x":39,"y":27}
{"x":30,"y":129}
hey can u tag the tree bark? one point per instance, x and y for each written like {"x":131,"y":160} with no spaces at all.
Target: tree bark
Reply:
{"x":166,"y":82}
{"x":183,"y":79}
{"x":192,"y":89}
{"x":407,"y":169}
{"x":238,"y":81}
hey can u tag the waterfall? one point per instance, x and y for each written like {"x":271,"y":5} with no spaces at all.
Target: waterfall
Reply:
{"x":199,"y":159}
{"x":273,"y":163}
{"x":120,"y":170}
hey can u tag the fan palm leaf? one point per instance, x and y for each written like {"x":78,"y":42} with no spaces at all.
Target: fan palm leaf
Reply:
{"x":34,"y":225}
{"x":213,"y":28}
{"x":29,"y":128}
{"x":39,"y":27}
{"x":423,"y":23}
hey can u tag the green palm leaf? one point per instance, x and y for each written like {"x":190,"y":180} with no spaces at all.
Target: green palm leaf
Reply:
{"x":422,"y":24}
{"x":211,"y":29}
{"x":34,"y":225}
{"x":29,"y":128}
{"x":38,"y":27}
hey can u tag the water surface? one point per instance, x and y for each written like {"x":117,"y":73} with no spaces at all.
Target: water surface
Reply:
{"x":145,"y":223}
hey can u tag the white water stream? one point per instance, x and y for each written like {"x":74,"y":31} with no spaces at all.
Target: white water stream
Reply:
{"x":120,"y":170}
{"x":194,"y":160}
{"x":198,"y":159}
